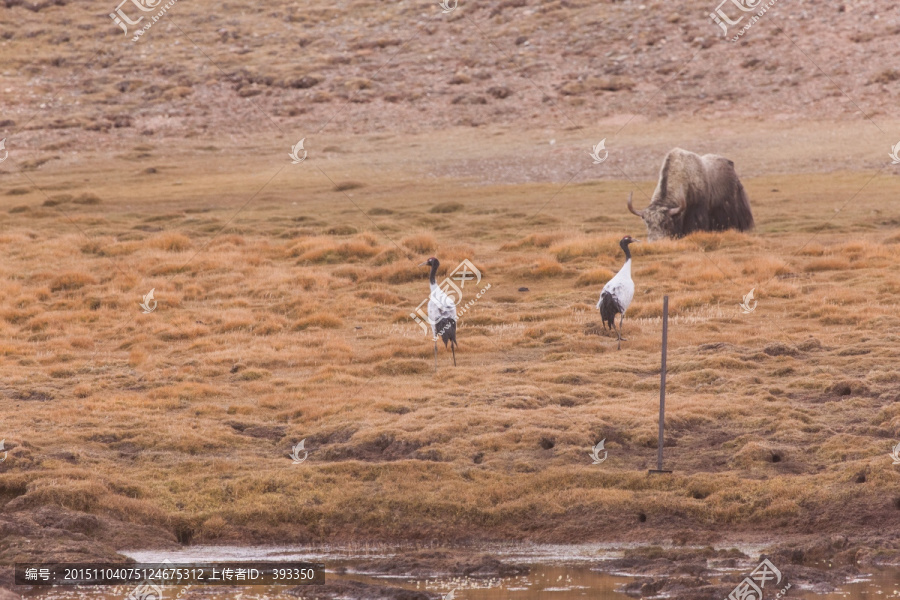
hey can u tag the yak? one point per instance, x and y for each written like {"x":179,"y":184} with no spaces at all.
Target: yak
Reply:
{"x":695,"y":193}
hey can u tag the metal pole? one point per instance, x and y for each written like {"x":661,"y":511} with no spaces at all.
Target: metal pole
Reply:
{"x":662,"y":386}
{"x":662,"y":382}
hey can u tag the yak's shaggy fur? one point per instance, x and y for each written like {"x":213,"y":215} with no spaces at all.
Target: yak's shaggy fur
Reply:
{"x":696,"y":193}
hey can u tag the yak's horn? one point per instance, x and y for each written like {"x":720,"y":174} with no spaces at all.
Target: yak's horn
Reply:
{"x":631,"y":206}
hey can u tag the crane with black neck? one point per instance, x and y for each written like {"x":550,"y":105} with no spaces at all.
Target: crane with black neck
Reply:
{"x":618,"y":293}
{"x":441,"y":312}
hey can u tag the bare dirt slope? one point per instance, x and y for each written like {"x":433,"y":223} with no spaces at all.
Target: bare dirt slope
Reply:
{"x":73,"y":81}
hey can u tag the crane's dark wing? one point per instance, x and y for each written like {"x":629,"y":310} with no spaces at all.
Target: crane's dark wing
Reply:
{"x":609,"y":307}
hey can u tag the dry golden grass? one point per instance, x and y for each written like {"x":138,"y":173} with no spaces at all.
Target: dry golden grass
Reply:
{"x":422,"y":243}
{"x":293,"y":323}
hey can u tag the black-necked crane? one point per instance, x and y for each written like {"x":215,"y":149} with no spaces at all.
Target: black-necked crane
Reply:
{"x":441,"y":312}
{"x":618,"y":293}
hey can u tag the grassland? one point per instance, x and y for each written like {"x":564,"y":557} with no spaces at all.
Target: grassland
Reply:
{"x":284,"y":295}
{"x":285,"y":291}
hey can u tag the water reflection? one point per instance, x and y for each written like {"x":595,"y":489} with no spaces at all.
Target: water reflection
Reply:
{"x":874,"y":585}
{"x":544,"y":583}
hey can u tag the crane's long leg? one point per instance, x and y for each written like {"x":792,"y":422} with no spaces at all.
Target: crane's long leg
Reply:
{"x":435,"y":355}
{"x":453,"y":350}
{"x":618,"y":335}
{"x":618,"y":329}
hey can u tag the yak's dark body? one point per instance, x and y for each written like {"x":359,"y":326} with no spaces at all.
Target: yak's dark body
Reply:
{"x":696,"y":193}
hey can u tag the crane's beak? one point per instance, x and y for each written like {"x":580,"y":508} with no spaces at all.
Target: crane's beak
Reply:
{"x":424,"y":264}
{"x":635,"y":240}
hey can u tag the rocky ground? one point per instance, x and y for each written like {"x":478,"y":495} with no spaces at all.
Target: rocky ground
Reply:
{"x":72,"y":82}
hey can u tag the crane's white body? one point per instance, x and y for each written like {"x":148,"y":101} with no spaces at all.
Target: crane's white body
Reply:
{"x":620,"y":287}
{"x":441,"y":306}
{"x":441,"y":312}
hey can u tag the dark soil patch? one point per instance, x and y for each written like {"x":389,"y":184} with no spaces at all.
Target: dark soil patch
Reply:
{"x":385,"y":447}
{"x":32,"y":395}
{"x":265,"y":432}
